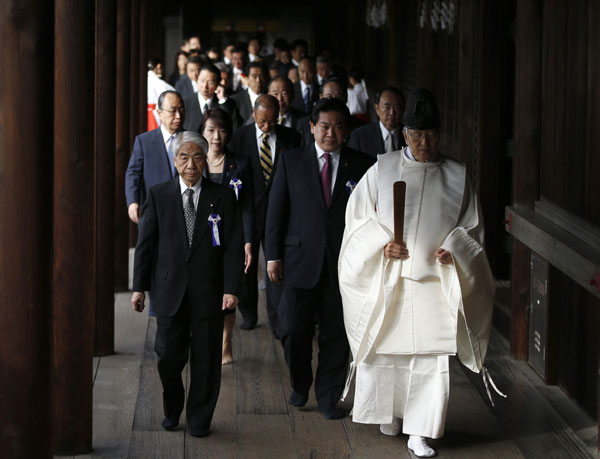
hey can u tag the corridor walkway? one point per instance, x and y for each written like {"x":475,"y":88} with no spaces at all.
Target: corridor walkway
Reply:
{"x":253,"y":419}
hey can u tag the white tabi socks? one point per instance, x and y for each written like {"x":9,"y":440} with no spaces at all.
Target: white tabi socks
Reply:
{"x":392,"y":429}
{"x":419,"y":446}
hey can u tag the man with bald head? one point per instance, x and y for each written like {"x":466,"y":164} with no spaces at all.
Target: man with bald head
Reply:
{"x":384,"y":135}
{"x":283,"y":90}
{"x":306,"y":91}
{"x":262,"y":143}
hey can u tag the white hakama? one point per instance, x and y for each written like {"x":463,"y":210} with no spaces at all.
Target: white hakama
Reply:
{"x":404,"y":318}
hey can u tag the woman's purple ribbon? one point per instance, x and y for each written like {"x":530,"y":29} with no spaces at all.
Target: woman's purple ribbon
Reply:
{"x":215,"y":221}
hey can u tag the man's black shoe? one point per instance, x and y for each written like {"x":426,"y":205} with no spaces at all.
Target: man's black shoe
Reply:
{"x":298,"y":400}
{"x":169,"y":424}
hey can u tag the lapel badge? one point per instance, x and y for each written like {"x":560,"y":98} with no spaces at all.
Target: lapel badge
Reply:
{"x":350,"y":185}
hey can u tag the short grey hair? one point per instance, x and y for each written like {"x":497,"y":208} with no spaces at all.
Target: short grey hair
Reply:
{"x":189,"y":137}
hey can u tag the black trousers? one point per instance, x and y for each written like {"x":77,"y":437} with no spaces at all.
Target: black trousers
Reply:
{"x":177,"y":337}
{"x":249,"y":302}
{"x":298,"y":310}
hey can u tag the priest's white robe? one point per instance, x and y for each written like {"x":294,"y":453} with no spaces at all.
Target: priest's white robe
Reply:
{"x":404,"y":318}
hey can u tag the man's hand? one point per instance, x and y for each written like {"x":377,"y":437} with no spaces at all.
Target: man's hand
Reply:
{"x":230,"y":301}
{"x":134,"y":212}
{"x":137,"y":300}
{"x":393,"y":250}
{"x":247,"y":256}
{"x":444,"y":256}
{"x":275,"y":271}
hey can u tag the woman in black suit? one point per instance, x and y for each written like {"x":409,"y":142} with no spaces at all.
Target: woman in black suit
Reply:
{"x":233,"y":171}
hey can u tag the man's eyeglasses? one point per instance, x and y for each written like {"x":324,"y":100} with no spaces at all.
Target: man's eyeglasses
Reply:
{"x":181,"y":110}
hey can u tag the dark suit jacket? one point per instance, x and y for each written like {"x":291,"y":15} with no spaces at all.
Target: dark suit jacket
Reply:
{"x":168,"y":267}
{"x":149,"y":165}
{"x":369,"y":139}
{"x":298,"y":102}
{"x":243,"y":105}
{"x":238,"y":167}
{"x":296,"y":115}
{"x":307,"y":137}
{"x":243,"y":143}
{"x":184,"y":86}
{"x":300,"y":228}
{"x":193,"y":111}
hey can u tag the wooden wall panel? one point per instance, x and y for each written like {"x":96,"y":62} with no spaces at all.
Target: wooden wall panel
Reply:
{"x":578,"y":339}
{"x":565,"y":106}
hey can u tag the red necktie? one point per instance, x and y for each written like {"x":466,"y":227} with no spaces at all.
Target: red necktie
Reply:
{"x":326,"y":178}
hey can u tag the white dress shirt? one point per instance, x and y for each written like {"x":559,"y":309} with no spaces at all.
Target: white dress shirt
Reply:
{"x":194,"y":85}
{"x":287,"y":120}
{"x":303,"y":87}
{"x":334,"y":162}
{"x":272,"y":142}
{"x":204,"y":101}
{"x":236,"y":78}
{"x":253,"y":97}
{"x":196,"y":196}
{"x":395,"y":134}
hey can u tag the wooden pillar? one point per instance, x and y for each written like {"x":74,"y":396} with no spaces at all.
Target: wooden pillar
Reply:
{"x":593,"y":118}
{"x":134,"y":95}
{"x":122,"y":144}
{"x":25,"y":223}
{"x":104,"y":174}
{"x":142,"y":82}
{"x":73,"y":261}
{"x":528,"y":70}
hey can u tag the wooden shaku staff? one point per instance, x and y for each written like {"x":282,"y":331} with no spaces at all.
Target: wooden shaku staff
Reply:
{"x":399,"y":202}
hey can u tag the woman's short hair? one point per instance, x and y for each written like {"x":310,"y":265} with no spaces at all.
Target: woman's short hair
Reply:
{"x":220,"y":117}
{"x":189,"y":137}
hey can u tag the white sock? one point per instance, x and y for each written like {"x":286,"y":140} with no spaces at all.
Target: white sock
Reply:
{"x":392,"y":429}
{"x":419,"y":446}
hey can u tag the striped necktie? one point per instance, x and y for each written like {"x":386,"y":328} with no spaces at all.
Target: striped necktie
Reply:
{"x":266,"y":158}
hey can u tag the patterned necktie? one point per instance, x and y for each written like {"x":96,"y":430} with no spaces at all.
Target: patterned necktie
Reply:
{"x":306,"y":98}
{"x":190,"y":214}
{"x":266,"y":158}
{"x":326,"y":178}
{"x":205,"y":109}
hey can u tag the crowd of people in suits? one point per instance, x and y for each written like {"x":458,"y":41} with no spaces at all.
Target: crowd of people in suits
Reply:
{"x":252,"y":154}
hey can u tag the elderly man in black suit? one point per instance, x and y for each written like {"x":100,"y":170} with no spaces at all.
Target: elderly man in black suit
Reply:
{"x":188,"y":83}
{"x":189,"y":254}
{"x":262,"y":142}
{"x":196,"y":105}
{"x":306,"y":91}
{"x":258,"y":76}
{"x":282,"y":89}
{"x":304,"y":229}
{"x":384,"y":135}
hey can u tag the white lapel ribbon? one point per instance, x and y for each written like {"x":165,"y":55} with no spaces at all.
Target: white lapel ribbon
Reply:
{"x":236,"y":184}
